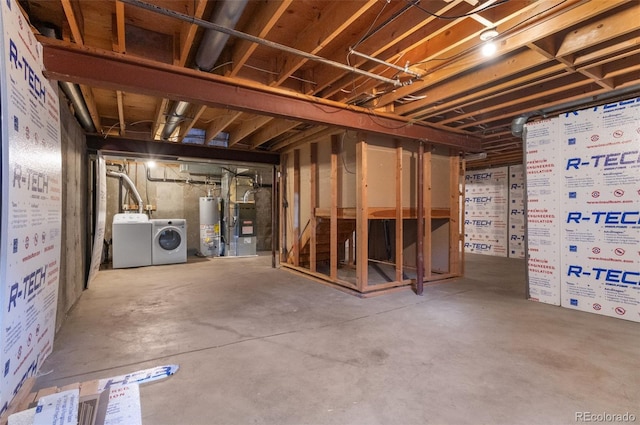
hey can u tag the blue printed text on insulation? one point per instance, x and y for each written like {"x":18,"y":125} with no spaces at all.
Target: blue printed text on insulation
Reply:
{"x":478,"y":176}
{"x":477,"y":246}
{"x":478,"y":199}
{"x":605,"y":217}
{"x":478,"y":223}
{"x":19,"y":62}
{"x":28,"y":288}
{"x":617,"y":159}
{"x":608,"y":276}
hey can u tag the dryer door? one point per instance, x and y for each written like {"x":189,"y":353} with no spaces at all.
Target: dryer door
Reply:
{"x":169,"y":239}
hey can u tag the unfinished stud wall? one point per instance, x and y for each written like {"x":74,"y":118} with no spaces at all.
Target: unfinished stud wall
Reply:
{"x":350,"y":211}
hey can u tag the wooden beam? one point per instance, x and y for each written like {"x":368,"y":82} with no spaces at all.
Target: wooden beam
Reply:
{"x":271,"y":130}
{"x":455,"y":266}
{"x":150,"y":147}
{"x":580,"y":13}
{"x":159,"y":119}
{"x":247,"y":127}
{"x":335,"y":151}
{"x":119,"y":42}
{"x":338,"y":17}
{"x":296,"y":207}
{"x":89,"y":100}
{"x":430,"y":213}
{"x":260,"y":25}
{"x":65,"y":62}
{"x":220,"y":123}
{"x":306,"y":135}
{"x":313,"y":194}
{"x":362,"y":220}
{"x":457,"y":234}
{"x":120,"y":101}
{"x":73,"y":13}
{"x":399,"y":219}
{"x":184,"y":130}
{"x":283,"y":212}
{"x":188,"y":31}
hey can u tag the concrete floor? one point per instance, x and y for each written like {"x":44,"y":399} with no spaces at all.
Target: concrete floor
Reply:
{"x":264,"y":346}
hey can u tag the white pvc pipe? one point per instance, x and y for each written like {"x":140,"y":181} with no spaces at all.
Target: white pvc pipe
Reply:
{"x":131,"y":186}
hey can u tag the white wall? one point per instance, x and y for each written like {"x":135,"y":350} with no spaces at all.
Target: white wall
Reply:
{"x":589,"y":204}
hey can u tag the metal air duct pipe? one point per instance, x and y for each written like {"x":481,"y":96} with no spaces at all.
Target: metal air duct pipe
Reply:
{"x":517,"y":125}
{"x":213,"y":41}
{"x":71,"y":90}
{"x":227,"y":15}
{"x":80,"y":108}
{"x":131,"y":186}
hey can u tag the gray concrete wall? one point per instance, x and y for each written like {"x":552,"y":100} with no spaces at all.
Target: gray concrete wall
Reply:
{"x":74,"y":210}
{"x":180,"y":200}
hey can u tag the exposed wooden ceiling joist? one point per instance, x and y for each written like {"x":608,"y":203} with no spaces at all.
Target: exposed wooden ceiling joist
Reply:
{"x":67,"y":62}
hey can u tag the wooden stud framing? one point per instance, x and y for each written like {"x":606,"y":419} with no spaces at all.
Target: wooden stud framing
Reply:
{"x":399,"y":210}
{"x":335,"y":151}
{"x":429,"y":213}
{"x":305,"y":246}
{"x":314,"y":204}
{"x":454,"y":220}
{"x":362,"y":220}
{"x":296,"y":207}
{"x":283,"y":216}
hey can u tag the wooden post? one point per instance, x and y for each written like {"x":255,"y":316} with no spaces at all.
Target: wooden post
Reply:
{"x":399,"y":215}
{"x":362,"y":219}
{"x":283,"y":216}
{"x":335,"y":151}
{"x":274,"y":222}
{"x":420,"y":226}
{"x":314,"y":204}
{"x":428,"y":183}
{"x":296,"y":207}
{"x":454,"y":211}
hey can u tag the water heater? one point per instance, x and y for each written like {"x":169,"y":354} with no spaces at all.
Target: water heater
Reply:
{"x":211,"y":244}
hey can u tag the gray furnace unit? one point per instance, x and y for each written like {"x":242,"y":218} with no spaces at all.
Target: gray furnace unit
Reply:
{"x":244,"y":230}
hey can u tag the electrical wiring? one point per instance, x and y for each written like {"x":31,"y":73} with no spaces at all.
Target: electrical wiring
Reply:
{"x":465,"y":15}
{"x":503,"y":33}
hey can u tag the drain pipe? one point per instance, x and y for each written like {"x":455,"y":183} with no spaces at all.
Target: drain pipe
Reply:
{"x":131,"y":186}
{"x":207,"y":55}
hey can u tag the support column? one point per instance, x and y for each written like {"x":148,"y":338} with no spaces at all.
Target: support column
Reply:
{"x":420,"y":214}
{"x":362,"y":216}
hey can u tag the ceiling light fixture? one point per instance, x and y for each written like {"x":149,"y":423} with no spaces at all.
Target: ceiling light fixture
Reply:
{"x":489,"y":47}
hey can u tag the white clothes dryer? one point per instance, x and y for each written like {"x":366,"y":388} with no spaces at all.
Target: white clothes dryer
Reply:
{"x":169,"y":241}
{"x":131,"y":233}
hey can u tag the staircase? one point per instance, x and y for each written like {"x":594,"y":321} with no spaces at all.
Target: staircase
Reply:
{"x":346,"y":227}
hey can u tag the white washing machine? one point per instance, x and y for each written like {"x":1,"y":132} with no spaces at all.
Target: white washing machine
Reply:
{"x":131,"y":233}
{"x":169,"y":241}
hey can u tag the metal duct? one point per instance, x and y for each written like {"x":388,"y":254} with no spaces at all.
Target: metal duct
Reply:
{"x":517,"y":125}
{"x":71,"y":90}
{"x":227,"y":15}
{"x":213,"y":41}
{"x":177,"y":114}
{"x":82,"y":113}
{"x":131,"y":186}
